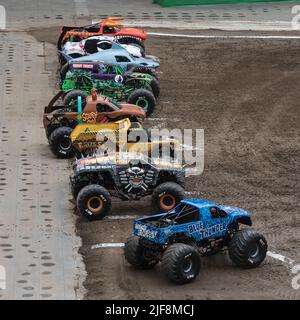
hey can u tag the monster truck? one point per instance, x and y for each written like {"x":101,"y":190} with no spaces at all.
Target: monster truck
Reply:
{"x":128,"y":176}
{"x":108,"y":27}
{"x":96,"y":44}
{"x":111,"y":81}
{"x":195,"y":227}
{"x":122,"y":135}
{"x":60,"y":120}
{"x":114,"y":55}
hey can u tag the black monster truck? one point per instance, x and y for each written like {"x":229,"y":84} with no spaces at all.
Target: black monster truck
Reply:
{"x":128,"y":176}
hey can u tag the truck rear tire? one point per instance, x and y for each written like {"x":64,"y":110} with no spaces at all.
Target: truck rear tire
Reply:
{"x":136,"y":254}
{"x":61,"y":144}
{"x":71,"y":97}
{"x":248,"y":248}
{"x":143,"y":98}
{"x":181,"y":263}
{"x":167,"y":196}
{"x":93,"y":202}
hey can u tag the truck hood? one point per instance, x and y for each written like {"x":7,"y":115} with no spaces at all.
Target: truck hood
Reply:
{"x":147,"y":63}
{"x":133,"y":32}
{"x":102,"y":57}
{"x":131,"y":109}
{"x":235,"y":212}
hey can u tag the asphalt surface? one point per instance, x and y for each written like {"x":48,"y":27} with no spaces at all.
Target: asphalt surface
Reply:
{"x":39,"y":240}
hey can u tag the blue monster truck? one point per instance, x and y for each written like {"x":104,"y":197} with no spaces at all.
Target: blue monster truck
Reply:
{"x":193,"y":228}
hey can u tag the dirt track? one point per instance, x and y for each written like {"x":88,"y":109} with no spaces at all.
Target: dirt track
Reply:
{"x":245,"y":95}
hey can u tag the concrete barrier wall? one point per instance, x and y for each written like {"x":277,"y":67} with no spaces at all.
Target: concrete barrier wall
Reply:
{"x":170,"y":3}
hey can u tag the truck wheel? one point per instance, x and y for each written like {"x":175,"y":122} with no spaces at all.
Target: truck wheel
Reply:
{"x":137,"y":255}
{"x":143,"y":98}
{"x":155,"y":87}
{"x":179,"y":177}
{"x":181,"y":263}
{"x":77,"y":187}
{"x":60,"y":143}
{"x":93,"y":202}
{"x":167,"y":195}
{"x":49,"y":130}
{"x":248,"y":248}
{"x":71,"y":97}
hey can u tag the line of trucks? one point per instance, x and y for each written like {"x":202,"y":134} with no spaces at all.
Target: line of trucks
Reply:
{"x":108,"y":86}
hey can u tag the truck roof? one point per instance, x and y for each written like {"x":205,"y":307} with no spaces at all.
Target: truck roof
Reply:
{"x":199,"y":203}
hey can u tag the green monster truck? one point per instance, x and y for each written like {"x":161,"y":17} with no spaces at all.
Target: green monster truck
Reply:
{"x":140,"y":89}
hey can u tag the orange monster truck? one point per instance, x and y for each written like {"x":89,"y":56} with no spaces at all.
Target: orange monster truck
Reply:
{"x":59,"y":121}
{"x":107,"y":27}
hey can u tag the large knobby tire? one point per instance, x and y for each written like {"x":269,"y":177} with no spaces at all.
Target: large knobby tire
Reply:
{"x":248,"y":248}
{"x":93,"y":202}
{"x":77,"y":187}
{"x":181,"y":263}
{"x":179,"y":177}
{"x":155,"y":87}
{"x":144,"y":99}
{"x":167,"y":196}
{"x":49,"y":130}
{"x":61,"y":144}
{"x":71,"y":97}
{"x":136,"y":254}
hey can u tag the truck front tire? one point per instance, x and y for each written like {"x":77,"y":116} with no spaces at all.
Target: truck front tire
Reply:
{"x":93,"y":202}
{"x":167,"y":196}
{"x":61,"y":144}
{"x":248,"y":248}
{"x":144,"y":99}
{"x":181,"y":263}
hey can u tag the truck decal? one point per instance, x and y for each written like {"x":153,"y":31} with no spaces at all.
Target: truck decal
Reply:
{"x":143,"y":231}
{"x":207,"y":232}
